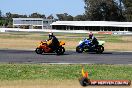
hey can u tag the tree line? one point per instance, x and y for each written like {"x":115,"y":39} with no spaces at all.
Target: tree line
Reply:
{"x":102,"y":10}
{"x":108,"y":10}
{"x":95,"y":10}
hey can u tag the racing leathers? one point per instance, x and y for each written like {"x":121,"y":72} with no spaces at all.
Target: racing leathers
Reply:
{"x":54,"y":42}
{"x":94,"y":41}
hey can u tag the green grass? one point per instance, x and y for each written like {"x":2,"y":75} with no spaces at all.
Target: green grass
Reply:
{"x":24,"y":35}
{"x":63,"y":72}
{"x":65,"y":36}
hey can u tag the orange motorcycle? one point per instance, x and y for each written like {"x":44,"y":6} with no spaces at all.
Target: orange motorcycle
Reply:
{"x":44,"y":48}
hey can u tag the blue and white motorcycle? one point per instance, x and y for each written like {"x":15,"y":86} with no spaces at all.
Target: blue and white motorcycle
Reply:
{"x":85,"y":45}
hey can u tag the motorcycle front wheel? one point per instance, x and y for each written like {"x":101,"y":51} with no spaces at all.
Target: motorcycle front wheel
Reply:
{"x":39,"y":51}
{"x":79,"y":49}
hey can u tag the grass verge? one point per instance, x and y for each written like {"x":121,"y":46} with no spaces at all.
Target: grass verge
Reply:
{"x":61,"y":36}
{"x":62,"y":72}
{"x":29,"y":41}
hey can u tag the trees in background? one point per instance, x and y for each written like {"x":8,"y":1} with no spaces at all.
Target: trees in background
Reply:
{"x":80,"y":18}
{"x":67,"y":17}
{"x":103,"y":10}
{"x":37,"y":15}
{"x":64,"y":17}
{"x":50,"y":16}
{"x":128,"y":9}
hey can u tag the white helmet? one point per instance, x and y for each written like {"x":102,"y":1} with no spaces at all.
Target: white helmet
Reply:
{"x":50,"y":34}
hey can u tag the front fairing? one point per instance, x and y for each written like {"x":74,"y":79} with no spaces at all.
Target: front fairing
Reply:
{"x":84,"y":42}
{"x":80,"y":42}
{"x":41,"y":44}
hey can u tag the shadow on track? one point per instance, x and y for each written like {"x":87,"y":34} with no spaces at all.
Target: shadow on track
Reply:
{"x":69,"y":52}
{"x":92,"y":53}
{"x":95,"y":53}
{"x":53,"y":54}
{"x":108,"y":53}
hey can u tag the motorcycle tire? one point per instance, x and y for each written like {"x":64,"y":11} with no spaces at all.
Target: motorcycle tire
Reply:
{"x":39,"y":51}
{"x":99,"y":49}
{"x":60,"y":50}
{"x":79,"y":49}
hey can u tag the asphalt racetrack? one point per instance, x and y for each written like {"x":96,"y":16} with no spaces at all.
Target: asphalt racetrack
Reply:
{"x":21,"y":56}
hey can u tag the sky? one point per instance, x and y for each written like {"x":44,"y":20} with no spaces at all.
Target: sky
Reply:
{"x":47,"y":7}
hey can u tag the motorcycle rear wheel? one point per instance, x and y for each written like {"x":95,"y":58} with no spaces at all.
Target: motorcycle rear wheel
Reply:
{"x":100,"y":49}
{"x":60,"y":50}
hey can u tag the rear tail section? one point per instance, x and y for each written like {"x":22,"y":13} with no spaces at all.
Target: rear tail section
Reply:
{"x":62,"y":43}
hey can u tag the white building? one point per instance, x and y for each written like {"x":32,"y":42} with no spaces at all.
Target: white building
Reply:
{"x":32,"y":23}
{"x":92,"y":25}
